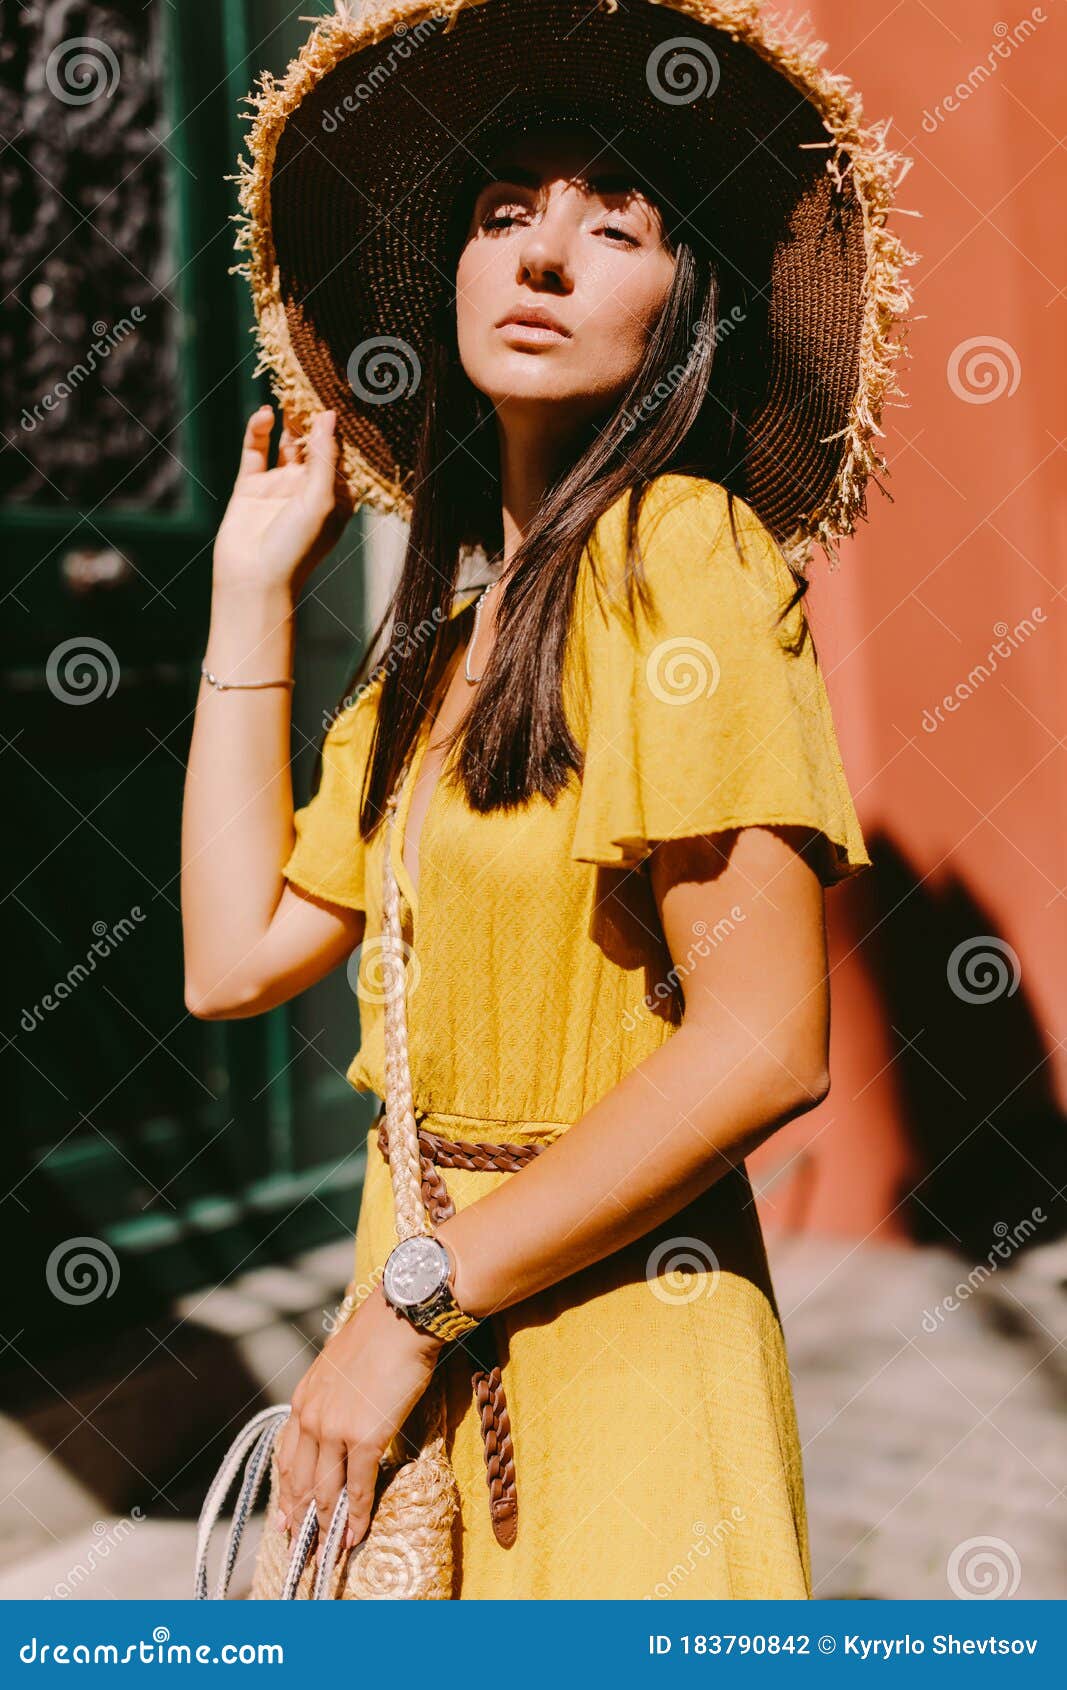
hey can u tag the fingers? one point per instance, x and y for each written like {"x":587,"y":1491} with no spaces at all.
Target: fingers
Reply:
{"x":255,"y":444}
{"x":343,"y":497}
{"x":361,"y":1477}
{"x":328,"y":1482}
{"x":297,"y":1459}
{"x":318,"y":447}
{"x":289,"y":443}
{"x":330,"y":1471}
{"x":284,"y":1450}
{"x":321,"y":458}
{"x":318,"y":1469}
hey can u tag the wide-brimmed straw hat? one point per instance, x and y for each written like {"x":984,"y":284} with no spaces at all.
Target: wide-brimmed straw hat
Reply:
{"x":357,"y":153}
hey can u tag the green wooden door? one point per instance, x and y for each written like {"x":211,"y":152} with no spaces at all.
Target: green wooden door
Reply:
{"x":180,"y":1150}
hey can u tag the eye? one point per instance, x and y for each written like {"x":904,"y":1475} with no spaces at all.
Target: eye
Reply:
{"x":621,"y":234}
{"x":501,"y":213}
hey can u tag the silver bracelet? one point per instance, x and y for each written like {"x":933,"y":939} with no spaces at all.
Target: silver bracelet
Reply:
{"x":232,"y":686}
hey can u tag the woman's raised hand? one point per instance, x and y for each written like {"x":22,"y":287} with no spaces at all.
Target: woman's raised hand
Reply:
{"x":280,"y":523}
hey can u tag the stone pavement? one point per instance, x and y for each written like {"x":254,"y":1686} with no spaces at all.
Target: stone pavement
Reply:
{"x":934,"y":1447}
{"x":933,"y":1420}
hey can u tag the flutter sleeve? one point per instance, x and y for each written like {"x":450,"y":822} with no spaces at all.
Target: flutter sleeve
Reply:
{"x":700,"y":714}
{"x":328,"y":857}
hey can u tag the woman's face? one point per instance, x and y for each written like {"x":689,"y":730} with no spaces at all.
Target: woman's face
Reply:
{"x":559,"y":230}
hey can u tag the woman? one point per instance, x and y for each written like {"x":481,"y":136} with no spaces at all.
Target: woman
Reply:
{"x":618,"y":800}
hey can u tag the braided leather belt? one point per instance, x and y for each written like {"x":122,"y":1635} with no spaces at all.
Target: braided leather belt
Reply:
{"x":486,"y":1379}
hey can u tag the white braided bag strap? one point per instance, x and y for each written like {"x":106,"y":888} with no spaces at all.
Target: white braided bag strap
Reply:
{"x":405,"y":1165}
{"x":255,"y":1442}
{"x":256,"y":1436}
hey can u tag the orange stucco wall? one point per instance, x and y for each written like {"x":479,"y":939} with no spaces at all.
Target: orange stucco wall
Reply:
{"x":946,"y":1106}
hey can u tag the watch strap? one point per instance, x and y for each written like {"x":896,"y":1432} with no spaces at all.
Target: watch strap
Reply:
{"x":448,"y":1321}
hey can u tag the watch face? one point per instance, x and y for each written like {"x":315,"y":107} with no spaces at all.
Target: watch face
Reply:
{"x":415,"y":1270}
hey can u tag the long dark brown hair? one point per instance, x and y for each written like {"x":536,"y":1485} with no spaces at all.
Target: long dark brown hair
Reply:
{"x":515,"y":739}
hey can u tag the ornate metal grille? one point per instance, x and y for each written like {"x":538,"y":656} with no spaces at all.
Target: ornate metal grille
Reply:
{"x":89,"y":330}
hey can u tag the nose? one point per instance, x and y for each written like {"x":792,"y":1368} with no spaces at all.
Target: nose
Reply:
{"x":544,"y":247}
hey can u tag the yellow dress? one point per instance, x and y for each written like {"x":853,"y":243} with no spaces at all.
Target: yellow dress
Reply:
{"x":655,"y":1439}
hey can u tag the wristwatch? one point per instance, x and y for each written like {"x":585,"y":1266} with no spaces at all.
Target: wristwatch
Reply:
{"x":417,"y":1283}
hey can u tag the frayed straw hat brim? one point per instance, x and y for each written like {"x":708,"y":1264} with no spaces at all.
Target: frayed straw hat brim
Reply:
{"x":357,"y":153}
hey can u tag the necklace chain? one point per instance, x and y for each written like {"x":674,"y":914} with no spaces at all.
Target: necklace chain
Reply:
{"x":474,"y":679}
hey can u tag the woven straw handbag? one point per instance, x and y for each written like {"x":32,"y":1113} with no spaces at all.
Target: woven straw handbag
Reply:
{"x":407,"y":1551}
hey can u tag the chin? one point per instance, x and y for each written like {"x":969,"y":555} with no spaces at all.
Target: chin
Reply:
{"x":518,"y":384}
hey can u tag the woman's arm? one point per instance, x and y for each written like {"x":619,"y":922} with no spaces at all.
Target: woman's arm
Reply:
{"x":251,"y":941}
{"x":751,"y":1053}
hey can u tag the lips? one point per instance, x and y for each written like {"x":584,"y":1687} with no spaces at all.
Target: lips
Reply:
{"x":535,"y":321}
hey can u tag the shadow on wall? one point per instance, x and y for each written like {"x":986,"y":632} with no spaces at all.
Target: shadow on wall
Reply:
{"x":971,"y":1069}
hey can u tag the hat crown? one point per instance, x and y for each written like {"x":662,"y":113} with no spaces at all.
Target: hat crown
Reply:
{"x":354,"y":166}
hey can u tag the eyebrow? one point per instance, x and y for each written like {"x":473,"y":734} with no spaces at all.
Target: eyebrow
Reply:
{"x":603,"y":182}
